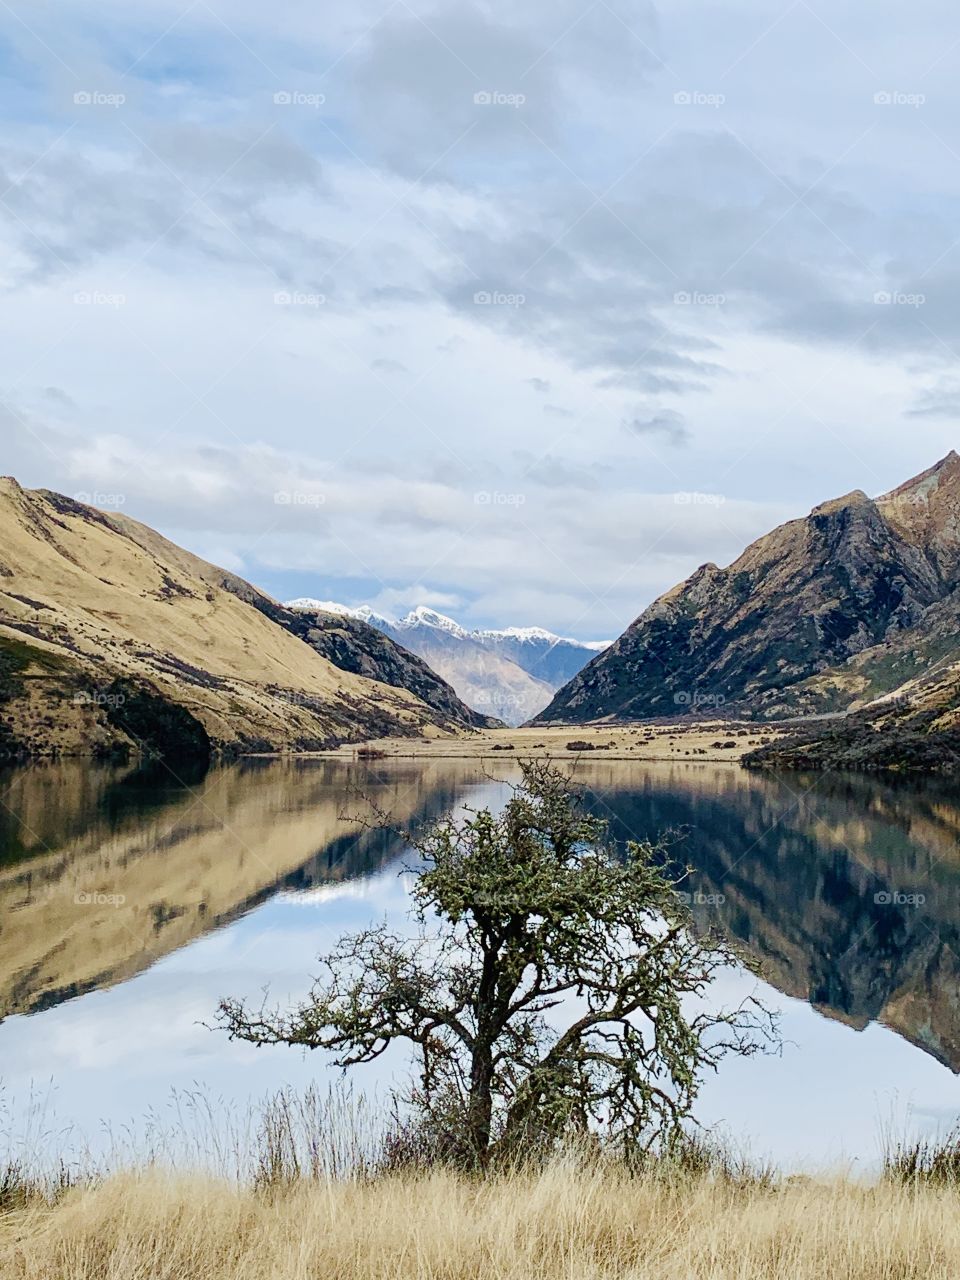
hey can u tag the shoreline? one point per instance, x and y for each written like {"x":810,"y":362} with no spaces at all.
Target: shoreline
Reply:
{"x":668,"y":742}
{"x":671,"y":742}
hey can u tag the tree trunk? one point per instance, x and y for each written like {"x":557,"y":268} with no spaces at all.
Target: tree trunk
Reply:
{"x":480,"y":1106}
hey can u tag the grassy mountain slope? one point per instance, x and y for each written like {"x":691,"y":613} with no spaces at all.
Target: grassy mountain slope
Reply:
{"x":349,"y":643}
{"x":98,"y":611}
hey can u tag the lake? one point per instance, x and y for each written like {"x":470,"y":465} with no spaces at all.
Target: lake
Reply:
{"x":131,"y":901}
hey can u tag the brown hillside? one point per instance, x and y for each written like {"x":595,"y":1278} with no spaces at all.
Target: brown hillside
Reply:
{"x":88,"y":599}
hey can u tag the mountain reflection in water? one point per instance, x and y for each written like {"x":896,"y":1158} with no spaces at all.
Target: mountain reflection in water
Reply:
{"x":845,"y":889}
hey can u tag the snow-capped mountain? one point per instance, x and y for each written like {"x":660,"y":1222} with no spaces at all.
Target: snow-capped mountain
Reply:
{"x":534,"y":635}
{"x":511,"y":673}
{"x":424,"y":617}
{"x":548,"y":657}
{"x":365,"y":614}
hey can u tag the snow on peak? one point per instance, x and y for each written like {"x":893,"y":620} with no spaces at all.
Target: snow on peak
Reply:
{"x":537,"y":635}
{"x":525,"y":633}
{"x":423,"y":616}
{"x":364,"y":613}
{"x":326,"y":606}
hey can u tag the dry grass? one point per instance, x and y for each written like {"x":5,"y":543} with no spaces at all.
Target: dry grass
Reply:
{"x":299,"y":1190}
{"x":682,"y":741}
{"x":931,"y":1160}
{"x":567,"y":1222}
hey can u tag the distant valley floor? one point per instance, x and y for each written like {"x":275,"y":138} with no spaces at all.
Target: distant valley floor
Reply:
{"x":677,"y":740}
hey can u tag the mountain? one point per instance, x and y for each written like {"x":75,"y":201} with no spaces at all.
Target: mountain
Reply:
{"x":511,"y":674}
{"x":359,"y":647}
{"x":111,"y":637}
{"x":552,"y":659}
{"x":100,"y":830}
{"x":915,"y":728}
{"x":812,"y":896}
{"x":821,"y":616}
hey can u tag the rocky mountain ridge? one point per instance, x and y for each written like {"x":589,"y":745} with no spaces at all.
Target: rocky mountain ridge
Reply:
{"x":821,"y":616}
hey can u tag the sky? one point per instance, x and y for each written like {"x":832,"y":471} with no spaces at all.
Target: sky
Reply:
{"x":522,"y":312}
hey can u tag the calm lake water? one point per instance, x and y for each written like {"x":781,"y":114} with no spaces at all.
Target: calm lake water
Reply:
{"x":129,"y":903}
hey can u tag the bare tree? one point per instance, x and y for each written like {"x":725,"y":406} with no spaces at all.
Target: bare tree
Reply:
{"x":549,"y":984}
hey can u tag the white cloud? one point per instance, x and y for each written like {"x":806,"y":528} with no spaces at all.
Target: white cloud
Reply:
{"x":342,"y":292}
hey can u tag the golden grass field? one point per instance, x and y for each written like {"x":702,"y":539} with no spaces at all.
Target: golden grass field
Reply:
{"x":566,"y":1223}
{"x":680,"y":740}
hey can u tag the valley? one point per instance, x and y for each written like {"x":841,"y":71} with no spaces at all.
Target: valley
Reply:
{"x":831,"y":642}
{"x":511,"y":673}
{"x":714,"y":741}
{"x":479,"y":641}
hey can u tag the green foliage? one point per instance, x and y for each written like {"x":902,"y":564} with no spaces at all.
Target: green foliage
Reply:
{"x":868,"y":741}
{"x":547,"y":988}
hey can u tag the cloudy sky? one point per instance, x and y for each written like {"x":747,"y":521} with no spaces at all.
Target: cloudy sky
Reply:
{"x":522,"y":311}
